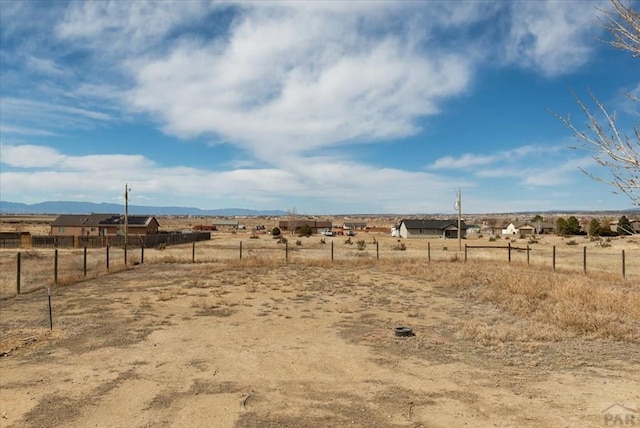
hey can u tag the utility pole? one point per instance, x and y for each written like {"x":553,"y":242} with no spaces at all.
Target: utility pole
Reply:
{"x":126,"y":220}
{"x":458,"y":206}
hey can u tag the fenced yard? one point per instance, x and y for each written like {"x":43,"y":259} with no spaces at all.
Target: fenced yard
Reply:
{"x":36,"y":268}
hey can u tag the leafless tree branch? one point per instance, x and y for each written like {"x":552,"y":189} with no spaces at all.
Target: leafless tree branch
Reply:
{"x":610,"y":148}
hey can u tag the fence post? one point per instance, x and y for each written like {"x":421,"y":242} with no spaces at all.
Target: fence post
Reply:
{"x":125,"y":253}
{"x":286,"y":251}
{"x":332,"y":250}
{"x":18,"y":273}
{"x":553,"y":263}
{"x":107,"y":257}
{"x":465,"y":252}
{"x":528,"y":261}
{"x":50,"y":308}
{"x":623,"y":266}
{"x":55,"y":268}
{"x":377,"y":251}
{"x":584,"y":260}
{"x":193,"y":253}
{"x":84,"y":262}
{"x":428,"y":251}
{"x":509,"y":251}
{"x":240,"y":250}
{"x":142,"y":254}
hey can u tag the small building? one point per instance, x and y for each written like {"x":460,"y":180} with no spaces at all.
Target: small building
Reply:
{"x":429,"y":228}
{"x":293,"y":226}
{"x":354,"y":225}
{"x":523,"y":228}
{"x":103,"y":225}
{"x":136,"y":225}
{"x":225,"y":224}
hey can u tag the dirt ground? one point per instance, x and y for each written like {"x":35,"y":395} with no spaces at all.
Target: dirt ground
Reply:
{"x":231,"y":345}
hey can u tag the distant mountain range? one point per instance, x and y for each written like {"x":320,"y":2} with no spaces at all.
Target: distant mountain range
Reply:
{"x":69,"y":207}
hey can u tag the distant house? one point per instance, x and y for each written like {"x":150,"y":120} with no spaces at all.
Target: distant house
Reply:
{"x":522,"y":228}
{"x":354,"y":225}
{"x":225,"y":224}
{"x":103,"y":225}
{"x":431,"y":229}
{"x":294,"y":226}
{"x":519,"y":228}
{"x":473,"y":229}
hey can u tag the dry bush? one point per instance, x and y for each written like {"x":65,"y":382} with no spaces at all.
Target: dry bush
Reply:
{"x":602,"y":307}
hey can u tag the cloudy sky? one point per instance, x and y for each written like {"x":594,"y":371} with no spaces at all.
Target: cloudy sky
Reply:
{"x":329,"y":107}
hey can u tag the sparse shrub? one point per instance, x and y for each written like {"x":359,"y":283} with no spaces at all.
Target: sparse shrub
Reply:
{"x":282,"y":240}
{"x":298,"y":242}
{"x":161,"y":246}
{"x":362,"y":245}
{"x":400,"y":247}
{"x":348,"y":241}
{"x":480,"y":235}
{"x":305,"y":230}
{"x":254,"y":237}
{"x":276,"y":232}
{"x":323,"y":241}
{"x":572,"y":242}
{"x":533,"y":240}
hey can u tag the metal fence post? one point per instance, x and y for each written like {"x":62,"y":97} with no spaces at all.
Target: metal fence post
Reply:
{"x":584,"y":260}
{"x":55,"y":268}
{"x":18,"y":274}
{"x":623,"y":266}
{"x":107,"y":257}
{"x":528,"y":260}
{"x":377,"y":251}
{"x":553,"y":262}
{"x":193,"y":253}
{"x":240,"y":250}
{"x":286,"y":251}
{"x":428,"y":251}
{"x":332,"y":250}
{"x":465,"y":252}
{"x":142,"y":254}
{"x":509,"y":251}
{"x":84,"y":262}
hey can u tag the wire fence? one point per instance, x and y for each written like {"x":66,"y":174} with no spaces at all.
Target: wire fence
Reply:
{"x":33,"y":269}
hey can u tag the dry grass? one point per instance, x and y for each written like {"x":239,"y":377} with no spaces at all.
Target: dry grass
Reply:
{"x":599,"y":304}
{"x":602,"y":306}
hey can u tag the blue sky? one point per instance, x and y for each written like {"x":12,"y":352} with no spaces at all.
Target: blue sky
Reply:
{"x":326,"y":107}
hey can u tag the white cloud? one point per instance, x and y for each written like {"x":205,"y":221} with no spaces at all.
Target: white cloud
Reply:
{"x":326,"y":181}
{"x":49,"y":114}
{"x":553,"y":37}
{"x":7,"y":129}
{"x":296,"y":82}
{"x":470,"y":160}
{"x":28,"y":156}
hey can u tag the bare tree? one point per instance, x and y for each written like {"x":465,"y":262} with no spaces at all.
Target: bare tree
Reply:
{"x":624,"y":25}
{"x":610,"y":147}
{"x":292,"y":222}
